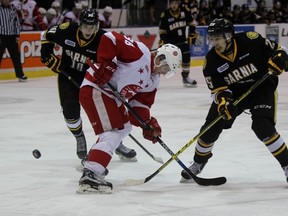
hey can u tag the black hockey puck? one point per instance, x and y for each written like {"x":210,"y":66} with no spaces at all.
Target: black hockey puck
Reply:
{"x":36,"y":153}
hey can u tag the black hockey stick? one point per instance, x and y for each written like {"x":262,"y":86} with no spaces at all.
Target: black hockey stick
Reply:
{"x":142,"y":181}
{"x":157,"y":159}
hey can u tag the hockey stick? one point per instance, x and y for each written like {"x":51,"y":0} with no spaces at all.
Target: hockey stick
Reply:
{"x":142,"y":181}
{"x":157,"y":159}
{"x":198,"y":180}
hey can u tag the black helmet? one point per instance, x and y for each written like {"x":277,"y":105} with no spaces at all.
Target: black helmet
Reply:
{"x":220,"y":26}
{"x":89,"y":16}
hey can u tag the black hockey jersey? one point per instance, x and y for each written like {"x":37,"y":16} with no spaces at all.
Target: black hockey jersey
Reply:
{"x":249,"y":64}
{"x":172,"y":27}
{"x":75,"y":50}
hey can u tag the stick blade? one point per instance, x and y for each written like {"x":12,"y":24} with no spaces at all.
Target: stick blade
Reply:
{"x":131,"y":182}
{"x":159,"y":160}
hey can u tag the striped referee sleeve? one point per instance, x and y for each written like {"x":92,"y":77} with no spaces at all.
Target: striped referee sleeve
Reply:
{"x":9,"y":21}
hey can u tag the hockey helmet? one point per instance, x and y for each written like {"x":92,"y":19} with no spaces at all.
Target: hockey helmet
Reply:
{"x":170,"y":55}
{"x":89,"y":16}
{"x":221,"y":26}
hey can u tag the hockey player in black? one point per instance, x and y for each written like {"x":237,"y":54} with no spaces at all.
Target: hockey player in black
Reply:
{"x":172,"y":29}
{"x":79,"y":43}
{"x":234,"y":63}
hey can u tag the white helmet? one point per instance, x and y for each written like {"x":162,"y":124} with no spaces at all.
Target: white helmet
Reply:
{"x":171,"y":55}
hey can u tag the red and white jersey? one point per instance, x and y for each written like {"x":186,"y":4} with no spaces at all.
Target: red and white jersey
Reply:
{"x":133,"y":78}
{"x":105,"y":23}
{"x":29,"y":14}
{"x":70,"y":17}
{"x":57,"y":20}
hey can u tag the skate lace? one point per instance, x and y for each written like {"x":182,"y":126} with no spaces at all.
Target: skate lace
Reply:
{"x":196,"y":168}
{"x":94,"y":176}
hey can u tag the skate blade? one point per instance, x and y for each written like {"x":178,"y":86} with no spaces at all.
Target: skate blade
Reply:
{"x":189,"y":85}
{"x":125,"y":159}
{"x":80,"y":168}
{"x":87,"y":189}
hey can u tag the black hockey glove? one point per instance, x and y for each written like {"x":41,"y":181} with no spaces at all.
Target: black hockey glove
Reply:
{"x":53,"y":62}
{"x":278,"y":62}
{"x":225,"y":105}
{"x":192,"y":38}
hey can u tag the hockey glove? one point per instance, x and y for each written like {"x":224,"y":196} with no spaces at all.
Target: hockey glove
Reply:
{"x":152,"y":134}
{"x":53,"y":62}
{"x":192,"y":38}
{"x":278,"y":62}
{"x":104,"y":73}
{"x":226,"y":108}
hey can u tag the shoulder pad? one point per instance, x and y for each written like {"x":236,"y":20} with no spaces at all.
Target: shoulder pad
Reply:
{"x":162,"y":15}
{"x":64,"y":25}
{"x":252,"y":35}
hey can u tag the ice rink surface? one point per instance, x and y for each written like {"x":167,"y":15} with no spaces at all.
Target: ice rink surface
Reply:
{"x":30,"y":118}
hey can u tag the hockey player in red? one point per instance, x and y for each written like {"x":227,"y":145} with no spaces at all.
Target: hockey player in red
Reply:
{"x":79,"y":42}
{"x":131,"y":69}
{"x":30,"y":17}
{"x":234,"y":63}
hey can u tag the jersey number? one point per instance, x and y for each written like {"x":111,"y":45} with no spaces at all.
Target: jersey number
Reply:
{"x":77,"y":65}
{"x":128,"y":41}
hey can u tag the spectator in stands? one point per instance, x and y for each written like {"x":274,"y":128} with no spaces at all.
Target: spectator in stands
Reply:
{"x":192,"y":6}
{"x":105,"y":18}
{"x":227,"y":13}
{"x":30,"y":18}
{"x":204,"y":14}
{"x":85,"y":4}
{"x":246,"y":16}
{"x":74,"y":14}
{"x":42,"y":11}
{"x":49,"y":19}
{"x":261,"y":12}
{"x":59,"y":17}
{"x":275,"y":15}
{"x":235,"y":14}
{"x":9,"y":36}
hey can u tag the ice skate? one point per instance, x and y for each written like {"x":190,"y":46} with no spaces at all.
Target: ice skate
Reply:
{"x":125,"y":153}
{"x":91,"y":182}
{"x":187,"y":82}
{"x":81,"y":146}
{"x":22,"y":79}
{"x":195,"y":168}
{"x":286,"y":172}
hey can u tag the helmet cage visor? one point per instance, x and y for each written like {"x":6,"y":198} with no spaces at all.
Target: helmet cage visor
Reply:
{"x":170,"y":58}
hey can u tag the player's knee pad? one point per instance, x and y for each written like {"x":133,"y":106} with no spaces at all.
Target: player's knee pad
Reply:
{"x":112,"y":138}
{"x":263,"y":127}
{"x":71,"y":109}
